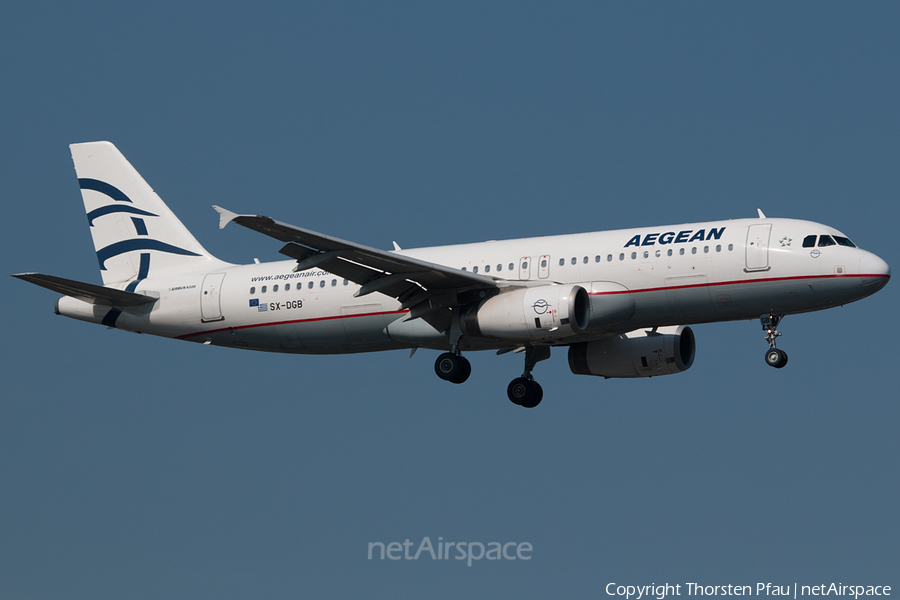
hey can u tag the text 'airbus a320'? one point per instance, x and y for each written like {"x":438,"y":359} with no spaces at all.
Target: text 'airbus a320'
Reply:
{"x":620,"y":301}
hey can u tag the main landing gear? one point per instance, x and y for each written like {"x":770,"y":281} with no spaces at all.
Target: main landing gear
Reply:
{"x":774,"y":357}
{"x":524,"y":390}
{"x":452,"y":367}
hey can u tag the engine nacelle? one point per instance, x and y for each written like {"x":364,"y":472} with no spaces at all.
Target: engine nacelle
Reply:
{"x":545,"y":312}
{"x":641,"y":353}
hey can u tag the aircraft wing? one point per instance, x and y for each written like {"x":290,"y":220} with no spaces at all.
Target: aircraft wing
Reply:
{"x":88,"y":292}
{"x":419,"y":285}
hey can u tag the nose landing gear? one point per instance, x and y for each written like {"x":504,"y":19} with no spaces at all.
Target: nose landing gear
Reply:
{"x":774,"y":357}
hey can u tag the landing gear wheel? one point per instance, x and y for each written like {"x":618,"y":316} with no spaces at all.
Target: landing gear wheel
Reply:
{"x":452,"y":367}
{"x":776,"y":358}
{"x":464,"y":372}
{"x":525,"y":392}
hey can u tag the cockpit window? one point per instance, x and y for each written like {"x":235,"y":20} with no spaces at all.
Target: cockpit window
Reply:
{"x":825,"y":240}
{"x":842,"y":241}
{"x":809,"y":241}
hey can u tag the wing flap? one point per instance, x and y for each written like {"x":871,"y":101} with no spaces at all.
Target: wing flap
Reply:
{"x":358,"y":263}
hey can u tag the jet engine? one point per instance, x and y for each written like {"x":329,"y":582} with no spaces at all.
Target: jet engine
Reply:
{"x":640,"y":353}
{"x":545,"y":312}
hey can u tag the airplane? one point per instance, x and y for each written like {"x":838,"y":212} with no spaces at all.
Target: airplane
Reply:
{"x":621,"y":301}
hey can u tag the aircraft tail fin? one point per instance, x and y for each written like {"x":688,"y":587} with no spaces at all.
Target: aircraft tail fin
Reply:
{"x":135,"y":234}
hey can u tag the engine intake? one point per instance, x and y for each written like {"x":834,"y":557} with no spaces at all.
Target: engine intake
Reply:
{"x":545,"y":312}
{"x":640,"y":353}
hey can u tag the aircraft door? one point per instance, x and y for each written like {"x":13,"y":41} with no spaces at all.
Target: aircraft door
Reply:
{"x":757,"y":250}
{"x":525,"y":267}
{"x":211,"y":298}
{"x":544,"y":266}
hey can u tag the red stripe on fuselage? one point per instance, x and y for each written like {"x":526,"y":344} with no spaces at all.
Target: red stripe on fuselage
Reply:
{"x":237,"y":327}
{"x":733,"y":282}
{"x":656,"y":289}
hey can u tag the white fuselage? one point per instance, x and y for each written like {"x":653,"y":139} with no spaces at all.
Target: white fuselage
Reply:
{"x":646,"y":277}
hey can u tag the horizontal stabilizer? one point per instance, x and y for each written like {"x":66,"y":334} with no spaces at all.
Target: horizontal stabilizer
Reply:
{"x":88,"y":292}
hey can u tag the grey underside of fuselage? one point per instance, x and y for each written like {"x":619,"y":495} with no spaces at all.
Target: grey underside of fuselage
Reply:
{"x":677,"y":305}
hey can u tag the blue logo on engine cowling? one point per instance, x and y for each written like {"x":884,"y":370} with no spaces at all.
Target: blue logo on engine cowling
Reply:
{"x":541,"y":306}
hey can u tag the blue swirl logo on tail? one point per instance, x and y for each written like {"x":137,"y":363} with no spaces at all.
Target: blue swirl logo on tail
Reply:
{"x":116,"y":208}
{"x":138,"y":244}
{"x":140,"y":228}
{"x":112,"y":191}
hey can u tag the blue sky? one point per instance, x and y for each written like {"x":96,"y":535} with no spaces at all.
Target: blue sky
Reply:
{"x":141,"y":467}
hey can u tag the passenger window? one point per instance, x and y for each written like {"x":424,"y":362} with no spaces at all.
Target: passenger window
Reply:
{"x":512,"y":266}
{"x":274,"y":288}
{"x":825,"y":240}
{"x":287,"y":287}
{"x":730,"y":247}
{"x":253,"y":290}
{"x":263,"y":289}
{"x":487,"y":268}
{"x":622,"y":256}
{"x":333,"y":282}
{"x":474,"y":269}
{"x":499,"y":267}
{"x":718,"y":247}
{"x":463,"y":268}
{"x":646,"y":254}
{"x":633,"y":255}
{"x":705,"y":249}
{"x":574,"y":260}
{"x":609,"y":258}
{"x":585,"y":259}
{"x":311,"y":284}
{"x":658,"y":254}
{"x":842,"y":241}
{"x":597,"y":258}
{"x":562,"y":261}
{"x":809,"y":241}
{"x":346,"y":281}
{"x":681,"y":251}
{"x":694,"y":250}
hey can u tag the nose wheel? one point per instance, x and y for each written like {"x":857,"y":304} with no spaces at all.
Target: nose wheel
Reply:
{"x":451,"y":367}
{"x":774,"y":357}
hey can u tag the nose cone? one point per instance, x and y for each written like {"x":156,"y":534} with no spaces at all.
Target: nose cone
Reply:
{"x":874,"y":271}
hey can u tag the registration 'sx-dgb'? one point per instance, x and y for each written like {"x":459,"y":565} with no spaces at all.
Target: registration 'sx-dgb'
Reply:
{"x":619,"y":300}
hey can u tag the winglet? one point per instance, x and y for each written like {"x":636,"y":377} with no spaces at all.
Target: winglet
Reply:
{"x":225,"y":216}
{"x":759,"y":210}
{"x":397,"y":247}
